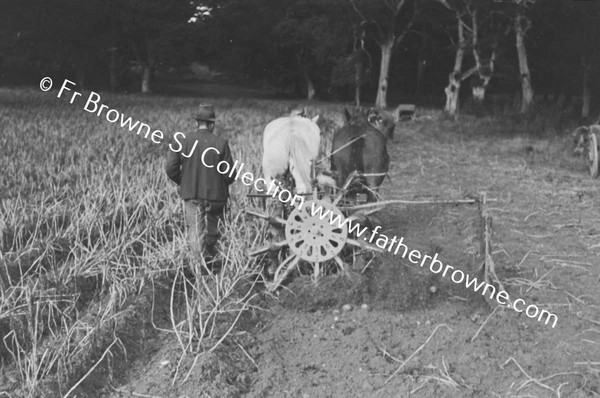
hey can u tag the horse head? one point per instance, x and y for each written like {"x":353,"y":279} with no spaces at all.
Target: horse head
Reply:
{"x":360,"y":147}
{"x":372,"y":117}
{"x":301,"y":112}
{"x":357,"y":115}
{"x":298,"y":112}
{"x":381,"y":123}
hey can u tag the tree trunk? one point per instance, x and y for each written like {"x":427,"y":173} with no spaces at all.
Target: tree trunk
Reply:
{"x":485,"y":68}
{"x":420,"y":71}
{"x":522,"y":24}
{"x":357,"y":94}
{"x":146,"y":76}
{"x":421,"y":63}
{"x":482,"y":83}
{"x":478,"y":84}
{"x":587,"y":83}
{"x":568,"y":97}
{"x":452,"y":91}
{"x":455,"y":78}
{"x":359,"y":47}
{"x":480,"y":89}
{"x":384,"y":72}
{"x":478,"y":92}
{"x":310,"y":88}
{"x":358,"y":71}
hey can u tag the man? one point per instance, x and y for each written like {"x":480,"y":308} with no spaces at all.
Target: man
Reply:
{"x":203,"y":189}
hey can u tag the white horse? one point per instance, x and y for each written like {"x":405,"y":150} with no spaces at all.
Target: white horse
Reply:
{"x":291,"y":142}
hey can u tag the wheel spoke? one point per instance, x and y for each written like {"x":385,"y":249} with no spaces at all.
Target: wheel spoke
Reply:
{"x":343,"y":189}
{"x":271,"y":247}
{"x":271,"y":219}
{"x":339,"y":196}
{"x":363,"y":245}
{"x":316,"y":271}
{"x":281,"y":273}
{"x":340,"y":263}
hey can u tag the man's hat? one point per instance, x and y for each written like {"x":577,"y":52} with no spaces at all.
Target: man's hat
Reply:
{"x":206,"y":113}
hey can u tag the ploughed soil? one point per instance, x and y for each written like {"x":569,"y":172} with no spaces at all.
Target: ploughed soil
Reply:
{"x":393,"y":329}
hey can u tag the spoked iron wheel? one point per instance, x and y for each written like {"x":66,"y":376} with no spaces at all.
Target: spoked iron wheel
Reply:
{"x":312,"y":236}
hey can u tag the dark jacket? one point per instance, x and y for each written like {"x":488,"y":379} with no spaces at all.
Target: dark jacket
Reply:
{"x":195,"y":179}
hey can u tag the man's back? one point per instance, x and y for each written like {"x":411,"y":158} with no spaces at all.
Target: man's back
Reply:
{"x":198,"y":177}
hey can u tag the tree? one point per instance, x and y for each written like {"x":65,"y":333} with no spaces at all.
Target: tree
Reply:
{"x":65,"y":36}
{"x":87,"y":40}
{"x":313,"y":38}
{"x":361,"y":60}
{"x":237,"y":37}
{"x":553,"y":52}
{"x":590,"y":18}
{"x":387,"y":22}
{"x":145,"y":26}
{"x":484,"y":19}
{"x":456,"y":77}
{"x":478,"y":29}
{"x":522,"y":24}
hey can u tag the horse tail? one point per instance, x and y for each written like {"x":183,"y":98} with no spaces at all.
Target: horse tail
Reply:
{"x":356,"y":151}
{"x":300,"y":163}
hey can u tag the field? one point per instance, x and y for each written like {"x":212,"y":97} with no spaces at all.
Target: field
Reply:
{"x":94,"y":302}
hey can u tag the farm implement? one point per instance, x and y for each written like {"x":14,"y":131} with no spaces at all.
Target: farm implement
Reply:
{"x":318,"y":231}
{"x":586,"y":138}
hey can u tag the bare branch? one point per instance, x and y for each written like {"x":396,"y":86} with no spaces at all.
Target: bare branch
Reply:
{"x":389,"y":4}
{"x":468,"y":73}
{"x":408,"y":27}
{"x":527,"y":23}
{"x":394,"y":5}
{"x":475,"y":39}
{"x":446,"y":4}
{"x":461,"y":29}
{"x":461,"y":44}
{"x":360,"y":14}
{"x":493,"y":58}
{"x":399,"y":6}
{"x":381,"y":39}
{"x":463,"y":23}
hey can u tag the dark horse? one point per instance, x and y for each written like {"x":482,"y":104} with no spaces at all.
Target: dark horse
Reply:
{"x":360,"y":147}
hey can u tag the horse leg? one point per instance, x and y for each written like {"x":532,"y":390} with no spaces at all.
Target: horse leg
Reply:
{"x":371,"y":194}
{"x":302,"y":186}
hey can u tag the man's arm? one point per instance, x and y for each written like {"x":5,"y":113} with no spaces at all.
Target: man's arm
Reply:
{"x":173,"y":167}
{"x":229,"y":159}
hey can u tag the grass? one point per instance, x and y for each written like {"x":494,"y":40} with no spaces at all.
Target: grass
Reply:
{"x":88,"y":220}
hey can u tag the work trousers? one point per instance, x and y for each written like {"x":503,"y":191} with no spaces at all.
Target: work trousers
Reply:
{"x":202,"y":225}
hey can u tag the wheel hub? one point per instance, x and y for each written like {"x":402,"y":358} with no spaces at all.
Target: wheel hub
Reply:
{"x":312,"y":238}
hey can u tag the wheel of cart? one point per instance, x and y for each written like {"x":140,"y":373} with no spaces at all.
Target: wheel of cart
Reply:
{"x":592,"y":149}
{"x":311,"y":236}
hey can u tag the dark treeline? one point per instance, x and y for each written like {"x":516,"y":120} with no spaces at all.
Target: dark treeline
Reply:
{"x":372,"y":51}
